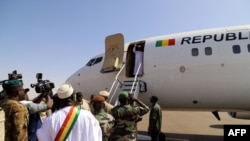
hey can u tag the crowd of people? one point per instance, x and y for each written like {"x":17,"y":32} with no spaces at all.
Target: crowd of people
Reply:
{"x":68,"y":116}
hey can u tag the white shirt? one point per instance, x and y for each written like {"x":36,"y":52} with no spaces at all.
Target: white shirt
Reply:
{"x":86,"y":128}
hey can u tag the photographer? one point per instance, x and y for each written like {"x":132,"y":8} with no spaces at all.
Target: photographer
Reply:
{"x":34,"y":106}
{"x":44,"y":101}
{"x":31,"y":106}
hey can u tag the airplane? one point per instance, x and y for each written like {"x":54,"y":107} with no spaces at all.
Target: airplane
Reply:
{"x":203,"y":70}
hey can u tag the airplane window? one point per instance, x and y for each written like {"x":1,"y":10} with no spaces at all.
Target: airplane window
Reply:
{"x":97,"y":60}
{"x":248,"y":47}
{"x":195,"y":51}
{"x":236,"y":49}
{"x":208,"y":51}
{"x":94,"y":61}
{"x":91,"y":61}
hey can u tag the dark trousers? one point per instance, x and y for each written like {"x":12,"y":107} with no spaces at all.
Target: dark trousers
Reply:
{"x":154,"y":135}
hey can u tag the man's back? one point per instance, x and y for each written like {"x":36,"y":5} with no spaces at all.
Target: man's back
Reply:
{"x":156,"y":114}
{"x":126,"y":117}
{"x":86,"y":127}
{"x":106,"y":123}
{"x":155,"y":117}
{"x":16,"y":120}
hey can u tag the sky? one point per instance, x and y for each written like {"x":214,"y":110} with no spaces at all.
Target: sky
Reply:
{"x":58,"y":37}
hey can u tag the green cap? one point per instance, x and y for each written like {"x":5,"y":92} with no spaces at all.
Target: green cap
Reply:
{"x":13,"y":83}
{"x":123,"y":95}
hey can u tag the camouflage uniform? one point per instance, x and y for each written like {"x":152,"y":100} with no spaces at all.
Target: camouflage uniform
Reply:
{"x":16,"y":120}
{"x":126,"y":118}
{"x":108,"y":107}
{"x":106,"y":123}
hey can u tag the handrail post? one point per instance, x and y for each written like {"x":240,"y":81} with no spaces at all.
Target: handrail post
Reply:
{"x":116,"y":78}
{"x":136,"y":75}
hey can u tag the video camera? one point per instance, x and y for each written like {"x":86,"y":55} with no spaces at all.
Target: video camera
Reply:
{"x":42,"y":86}
{"x":12,"y":76}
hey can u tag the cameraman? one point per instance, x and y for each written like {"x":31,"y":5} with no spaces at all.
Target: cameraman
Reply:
{"x":45,"y":88}
{"x":35,"y":108}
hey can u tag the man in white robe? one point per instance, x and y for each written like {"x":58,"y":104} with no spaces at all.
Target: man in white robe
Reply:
{"x":138,"y":50}
{"x":86,"y":127}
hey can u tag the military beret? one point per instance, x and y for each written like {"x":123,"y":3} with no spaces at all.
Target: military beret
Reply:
{"x":12,"y":83}
{"x":123,"y":95}
{"x":98,"y":98}
{"x":104,"y":93}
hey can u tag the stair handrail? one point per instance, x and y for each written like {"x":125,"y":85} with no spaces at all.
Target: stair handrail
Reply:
{"x":116,"y":79}
{"x":114,"y":92}
{"x":135,"y":78}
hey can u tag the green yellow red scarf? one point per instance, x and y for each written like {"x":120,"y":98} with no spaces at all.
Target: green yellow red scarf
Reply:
{"x":68,"y":124}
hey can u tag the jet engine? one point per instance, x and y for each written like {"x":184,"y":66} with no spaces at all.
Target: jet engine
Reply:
{"x":240,"y":115}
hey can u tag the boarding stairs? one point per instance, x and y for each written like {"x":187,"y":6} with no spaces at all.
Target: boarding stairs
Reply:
{"x":133,"y":86}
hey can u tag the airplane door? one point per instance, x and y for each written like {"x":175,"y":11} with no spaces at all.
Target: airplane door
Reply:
{"x":114,"y":50}
{"x":135,"y":59}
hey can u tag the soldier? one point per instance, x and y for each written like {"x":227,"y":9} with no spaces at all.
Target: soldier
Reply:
{"x":81,"y":102}
{"x":16,"y":114}
{"x":106,"y":120}
{"x":126,"y":117}
{"x":155,"y":119}
{"x":108,"y":106}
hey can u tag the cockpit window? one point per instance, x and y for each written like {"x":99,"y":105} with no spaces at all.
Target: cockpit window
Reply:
{"x":97,"y":60}
{"x":90,"y":62}
{"x":94,"y":61}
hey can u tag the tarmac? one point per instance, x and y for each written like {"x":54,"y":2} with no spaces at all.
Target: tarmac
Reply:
{"x":190,"y":126}
{"x":183,"y":126}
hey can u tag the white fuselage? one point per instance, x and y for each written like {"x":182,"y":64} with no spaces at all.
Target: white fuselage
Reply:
{"x":200,"y":70}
